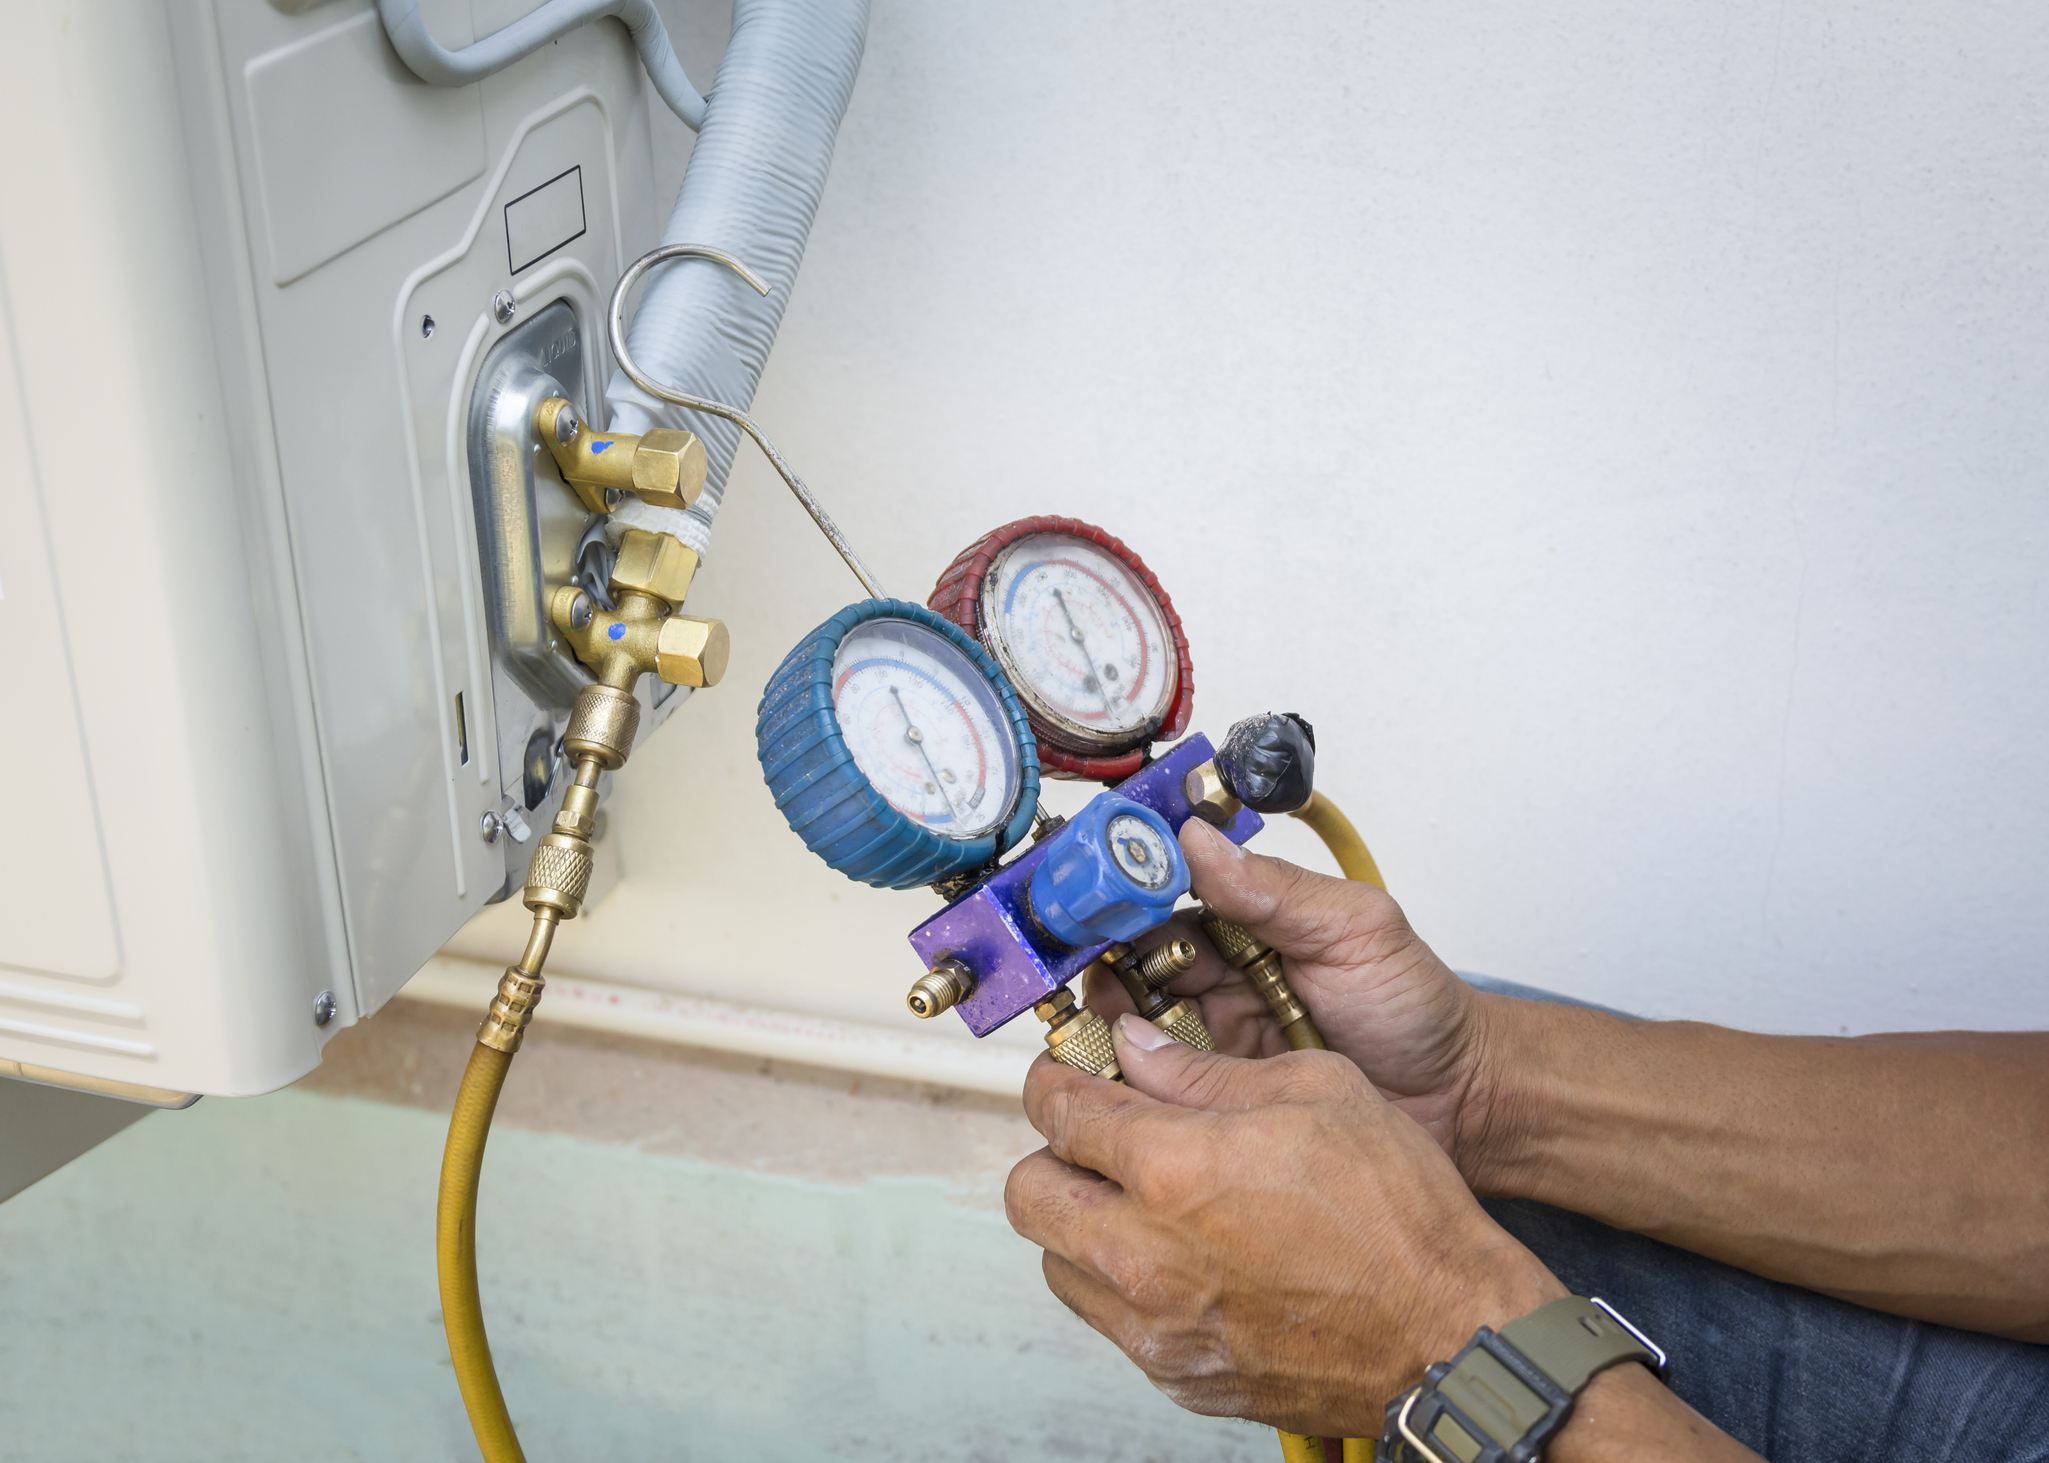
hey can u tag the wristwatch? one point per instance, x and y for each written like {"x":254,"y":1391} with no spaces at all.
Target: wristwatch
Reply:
{"x":1508,"y":1394}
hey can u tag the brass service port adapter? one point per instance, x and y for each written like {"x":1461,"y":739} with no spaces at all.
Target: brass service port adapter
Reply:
{"x":1145,"y":978}
{"x":643,"y":635}
{"x":941,"y":988}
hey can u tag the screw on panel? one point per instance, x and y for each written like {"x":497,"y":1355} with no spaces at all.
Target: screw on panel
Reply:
{"x":504,"y":306}
{"x":323,"y":1008}
{"x":488,"y":825}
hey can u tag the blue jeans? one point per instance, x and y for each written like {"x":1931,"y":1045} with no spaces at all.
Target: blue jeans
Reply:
{"x":1792,"y":1375}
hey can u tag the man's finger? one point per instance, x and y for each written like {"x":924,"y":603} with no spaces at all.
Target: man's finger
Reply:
{"x":1302,"y":914}
{"x":1090,"y":1122}
{"x":1159,"y":1066}
{"x":1054,"y":1204}
{"x":1085,"y":1293}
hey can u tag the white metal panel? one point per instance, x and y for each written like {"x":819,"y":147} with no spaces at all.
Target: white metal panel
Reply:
{"x":56,"y":916}
{"x":348,"y":142}
{"x":117,"y":378}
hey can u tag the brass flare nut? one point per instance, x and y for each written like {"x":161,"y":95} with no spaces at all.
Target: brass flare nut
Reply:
{"x":1184,"y":1023}
{"x":659,"y":565}
{"x":601,"y":725}
{"x":511,"y":1010}
{"x":1077,"y":1037}
{"x":663,"y":468}
{"x":1207,"y":796}
{"x":559,"y":875}
{"x":941,"y":988}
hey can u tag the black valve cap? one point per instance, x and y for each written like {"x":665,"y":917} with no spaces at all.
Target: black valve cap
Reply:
{"x":1269,"y":762}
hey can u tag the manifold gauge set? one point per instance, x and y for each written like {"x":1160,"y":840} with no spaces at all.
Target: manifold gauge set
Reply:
{"x":905,"y":744}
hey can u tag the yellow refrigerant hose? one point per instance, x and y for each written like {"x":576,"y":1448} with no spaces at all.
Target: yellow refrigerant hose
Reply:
{"x":1355,"y":861}
{"x":455,"y":1254}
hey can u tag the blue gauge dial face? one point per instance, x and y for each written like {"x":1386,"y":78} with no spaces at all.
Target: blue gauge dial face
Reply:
{"x":925,"y":727}
{"x":1082,"y":640}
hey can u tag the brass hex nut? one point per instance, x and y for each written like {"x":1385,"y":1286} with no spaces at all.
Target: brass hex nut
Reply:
{"x":669,"y":468}
{"x":654,"y":563}
{"x":692,"y":652}
{"x":1207,"y":796}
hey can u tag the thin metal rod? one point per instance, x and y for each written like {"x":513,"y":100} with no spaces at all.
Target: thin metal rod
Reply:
{"x":732,"y":414}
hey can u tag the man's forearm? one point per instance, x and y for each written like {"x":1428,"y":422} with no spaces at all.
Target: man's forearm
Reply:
{"x":1910,"y":1173}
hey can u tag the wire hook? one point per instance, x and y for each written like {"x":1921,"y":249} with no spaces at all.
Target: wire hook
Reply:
{"x":733,"y":414}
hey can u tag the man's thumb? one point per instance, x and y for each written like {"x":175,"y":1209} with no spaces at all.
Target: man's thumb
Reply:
{"x":1162,"y":1068}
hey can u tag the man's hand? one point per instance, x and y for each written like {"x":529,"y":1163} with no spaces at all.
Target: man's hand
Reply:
{"x":1378,"y":993}
{"x":1269,"y":1239}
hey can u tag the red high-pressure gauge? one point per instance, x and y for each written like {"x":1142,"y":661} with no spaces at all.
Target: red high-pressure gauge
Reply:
{"x":1086,"y":636}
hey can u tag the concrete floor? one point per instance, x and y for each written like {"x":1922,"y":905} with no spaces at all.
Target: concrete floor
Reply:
{"x":685,"y":1256}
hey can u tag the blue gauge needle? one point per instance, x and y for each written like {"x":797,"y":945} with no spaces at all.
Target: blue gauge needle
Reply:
{"x":1074,"y":632}
{"x":917,"y":739}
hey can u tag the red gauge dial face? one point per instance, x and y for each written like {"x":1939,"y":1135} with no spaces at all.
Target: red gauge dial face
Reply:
{"x":1084,"y":641}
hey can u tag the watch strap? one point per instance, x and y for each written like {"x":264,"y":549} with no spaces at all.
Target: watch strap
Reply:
{"x":1572,"y":1338}
{"x":1505,"y":1396}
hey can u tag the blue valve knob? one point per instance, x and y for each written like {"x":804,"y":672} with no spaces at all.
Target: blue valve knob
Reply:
{"x":1111,"y":874}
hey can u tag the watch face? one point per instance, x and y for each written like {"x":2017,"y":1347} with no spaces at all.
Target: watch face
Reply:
{"x":1082,"y":639}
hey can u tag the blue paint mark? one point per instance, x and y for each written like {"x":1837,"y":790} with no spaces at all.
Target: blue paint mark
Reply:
{"x":617,"y":632}
{"x":597,"y":447}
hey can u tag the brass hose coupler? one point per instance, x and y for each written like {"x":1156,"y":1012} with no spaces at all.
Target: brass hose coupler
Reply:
{"x":1077,"y":1037}
{"x":511,"y":1010}
{"x":602,"y":725}
{"x":1262,"y":966}
{"x":941,"y":988}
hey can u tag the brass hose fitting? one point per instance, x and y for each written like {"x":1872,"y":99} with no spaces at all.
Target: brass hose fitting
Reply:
{"x":941,"y":988}
{"x":1262,"y":966}
{"x":1077,"y":1037}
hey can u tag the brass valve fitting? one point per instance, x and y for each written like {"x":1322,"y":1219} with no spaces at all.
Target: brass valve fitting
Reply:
{"x":643,"y":635}
{"x":663,"y":468}
{"x":1077,"y":1037}
{"x":941,"y":988}
{"x":1262,"y":966}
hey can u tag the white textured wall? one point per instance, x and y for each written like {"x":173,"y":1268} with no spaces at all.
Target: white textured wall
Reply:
{"x":1620,"y":428}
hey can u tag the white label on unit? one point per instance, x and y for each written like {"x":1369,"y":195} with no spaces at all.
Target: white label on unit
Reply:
{"x":540,"y":221}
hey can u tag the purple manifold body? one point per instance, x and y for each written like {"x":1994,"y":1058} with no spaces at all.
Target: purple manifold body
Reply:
{"x":991,"y":930}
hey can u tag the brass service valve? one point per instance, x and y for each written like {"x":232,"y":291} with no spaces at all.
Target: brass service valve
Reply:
{"x":664,"y":468}
{"x":644,"y":635}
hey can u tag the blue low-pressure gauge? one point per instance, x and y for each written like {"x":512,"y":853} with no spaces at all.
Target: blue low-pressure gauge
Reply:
{"x":895,"y":747}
